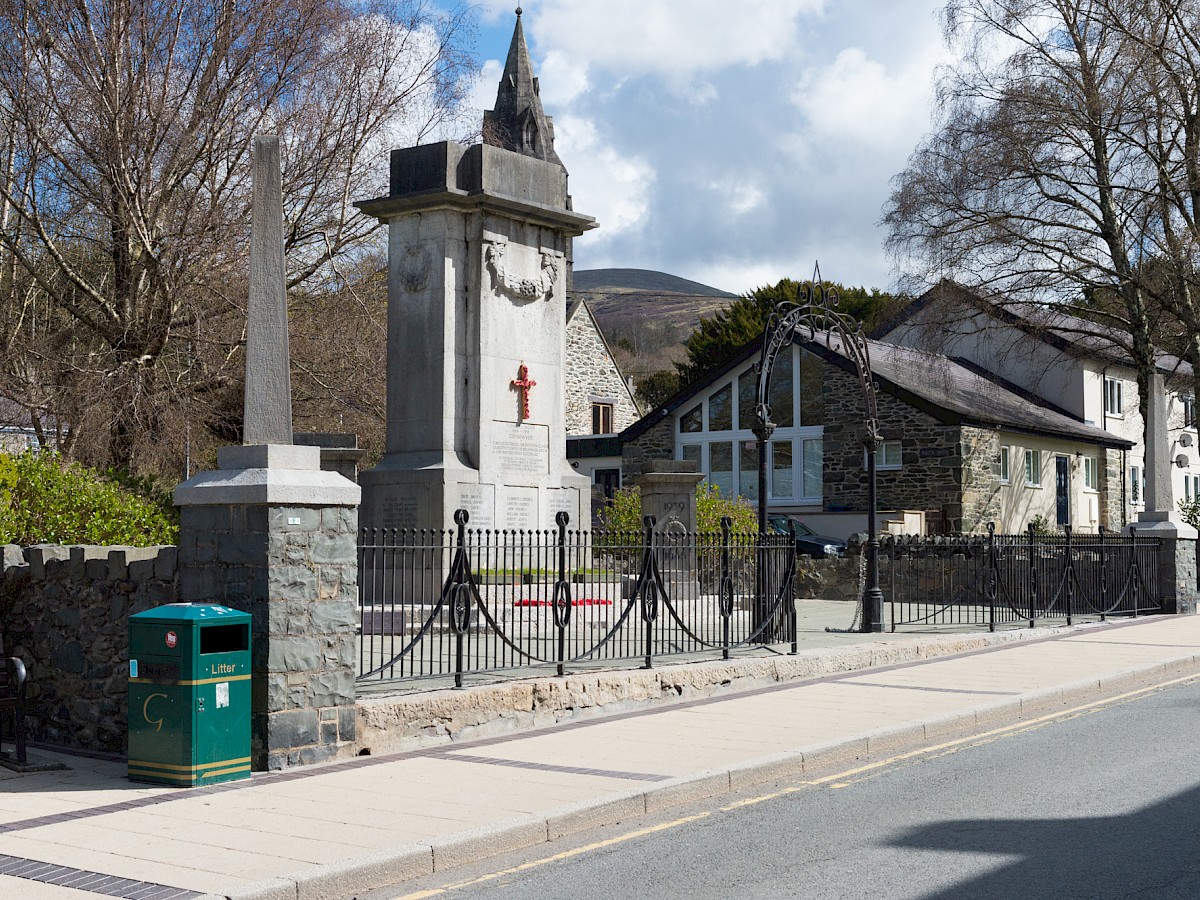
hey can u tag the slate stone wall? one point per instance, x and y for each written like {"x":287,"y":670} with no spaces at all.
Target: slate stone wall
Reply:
{"x":657,"y":442}
{"x":1112,"y":506}
{"x":591,"y":372}
{"x":931,"y":452}
{"x":65,"y":611}
{"x":295,"y":570}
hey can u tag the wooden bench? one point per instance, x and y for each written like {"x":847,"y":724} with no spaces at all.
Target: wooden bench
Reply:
{"x":12,"y":699}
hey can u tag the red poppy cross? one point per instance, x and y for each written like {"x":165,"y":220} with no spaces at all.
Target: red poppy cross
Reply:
{"x":523,"y":383}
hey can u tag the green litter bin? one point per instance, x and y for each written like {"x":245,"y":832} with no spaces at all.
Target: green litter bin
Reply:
{"x":189,"y":695}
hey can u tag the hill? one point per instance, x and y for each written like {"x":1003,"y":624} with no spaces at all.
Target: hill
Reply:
{"x":643,"y":280}
{"x":646,"y":315}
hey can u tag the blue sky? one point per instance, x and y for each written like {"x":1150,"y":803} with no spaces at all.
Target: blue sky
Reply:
{"x":732,"y":143}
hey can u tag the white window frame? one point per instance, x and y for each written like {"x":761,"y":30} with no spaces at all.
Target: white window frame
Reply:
{"x":1189,"y":412}
{"x":881,"y":465}
{"x":1137,"y":485}
{"x":1091,"y":473}
{"x":1191,"y":488}
{"x":1114,"y":397}
{"x":797,"y":434}
{"x":1005,"y":465}
{"x":1033,"y":468}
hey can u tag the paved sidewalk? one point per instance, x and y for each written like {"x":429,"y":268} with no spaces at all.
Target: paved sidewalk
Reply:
{"x":327,"y":832}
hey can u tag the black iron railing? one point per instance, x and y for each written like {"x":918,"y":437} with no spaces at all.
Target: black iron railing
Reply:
{"x":1002,"y":579}
{"x":461,"y":601}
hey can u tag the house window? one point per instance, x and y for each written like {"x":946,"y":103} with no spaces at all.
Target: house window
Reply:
{"x":1005,"y":473}
{"x":887,"y":456}
{"x":1191,"y":488}
{"x":748,"y":470}
{"x":814,"y":465}
{"x":781,"y":470}
{"x":692,"y":421}
{"x":720,"y":466}
{"x":1135,"y":484}
{"x":609,"y":481}
{"x":1091,"y":479}
{"x":1114,"y":399}
{"x":720,"y":409}
{"x":1033,"y":468}
{"x":602,"y":418}
{"x":1189,"y":412}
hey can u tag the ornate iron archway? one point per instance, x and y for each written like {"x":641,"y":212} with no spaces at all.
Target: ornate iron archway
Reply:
{"x":815,"y":317}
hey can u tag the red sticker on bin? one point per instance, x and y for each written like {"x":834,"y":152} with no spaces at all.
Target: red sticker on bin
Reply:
{"x":172,"y":639}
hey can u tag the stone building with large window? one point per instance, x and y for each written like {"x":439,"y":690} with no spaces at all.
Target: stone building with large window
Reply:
{"x":961,"y":447}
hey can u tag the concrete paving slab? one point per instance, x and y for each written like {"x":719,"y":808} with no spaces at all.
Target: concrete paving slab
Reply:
{"x":376,"y":820}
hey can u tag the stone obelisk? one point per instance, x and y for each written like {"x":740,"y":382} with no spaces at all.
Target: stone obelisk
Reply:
{"x":267,"y":411}
{"x":269,"y":533}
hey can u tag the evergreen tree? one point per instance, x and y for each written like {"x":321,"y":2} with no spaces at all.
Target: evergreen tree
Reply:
{"x":718,"y":339}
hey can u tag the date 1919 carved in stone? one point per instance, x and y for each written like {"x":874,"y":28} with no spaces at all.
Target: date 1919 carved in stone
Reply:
{"x":522,"y":289}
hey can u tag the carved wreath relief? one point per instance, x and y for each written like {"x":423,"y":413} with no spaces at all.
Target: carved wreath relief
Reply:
{"x":522,"y":289}
{"x":414,"y":269}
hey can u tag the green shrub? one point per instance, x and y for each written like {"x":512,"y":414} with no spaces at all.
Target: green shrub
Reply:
{"x":1190,"y":510}
{"x":44,"y":501}
{"x":1041,"y":525}
{"x":624,"y":512}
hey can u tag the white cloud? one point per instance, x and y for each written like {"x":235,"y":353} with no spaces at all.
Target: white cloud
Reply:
{"x":860,"y":100}
{"x":731,"y":144}
{"x":604,"y":183}
{"x":483,"y":93}
{"x":739,"y":197}
{"x":635,"y":37}
{"x":563,"y":79}
{"x":739,"y":276}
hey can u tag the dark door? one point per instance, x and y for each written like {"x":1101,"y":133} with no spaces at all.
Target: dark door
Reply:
{"x":1062,"y":489}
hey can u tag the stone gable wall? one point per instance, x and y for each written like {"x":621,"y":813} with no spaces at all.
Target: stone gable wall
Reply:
{"x":931,"y":453}
{"x":64,"y":611}
{"x":591,"y":372}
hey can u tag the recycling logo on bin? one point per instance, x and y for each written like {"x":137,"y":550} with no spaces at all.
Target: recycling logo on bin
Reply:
{"x":172,"y":639}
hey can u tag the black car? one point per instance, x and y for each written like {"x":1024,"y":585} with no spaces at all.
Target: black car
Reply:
{"x":808,"y":542}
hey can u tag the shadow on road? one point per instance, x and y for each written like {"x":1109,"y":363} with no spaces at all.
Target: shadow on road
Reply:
{"x":1151,"y":853}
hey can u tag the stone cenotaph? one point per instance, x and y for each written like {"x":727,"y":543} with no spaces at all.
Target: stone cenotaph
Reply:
{"x":479,"y":249}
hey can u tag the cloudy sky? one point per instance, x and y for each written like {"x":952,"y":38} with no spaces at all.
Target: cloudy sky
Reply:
{"x":732,"y":143}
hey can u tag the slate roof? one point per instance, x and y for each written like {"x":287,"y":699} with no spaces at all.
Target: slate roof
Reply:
{"x":1057,"y":327}
{"x":973,"y":396}
{"x":951,"y":390}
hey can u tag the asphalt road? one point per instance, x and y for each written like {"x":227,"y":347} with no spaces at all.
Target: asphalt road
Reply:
{"x":1101,"y":804}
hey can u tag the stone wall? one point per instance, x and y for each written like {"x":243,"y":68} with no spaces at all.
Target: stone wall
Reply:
{"x":592,"y":373}
{"x":980,"y":478}
{"x":656,"y":442}
{"x":295,"y":570}
{"x":64,"y":611}
{"x":931,"y":453}
{"x":1112,"y":505}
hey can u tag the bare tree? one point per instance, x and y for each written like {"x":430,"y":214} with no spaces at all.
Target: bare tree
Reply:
{"x":124,"y":203}
{"x":1035,"y":184}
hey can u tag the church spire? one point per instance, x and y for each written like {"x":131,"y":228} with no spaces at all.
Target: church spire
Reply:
{"x":518,"y":122}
